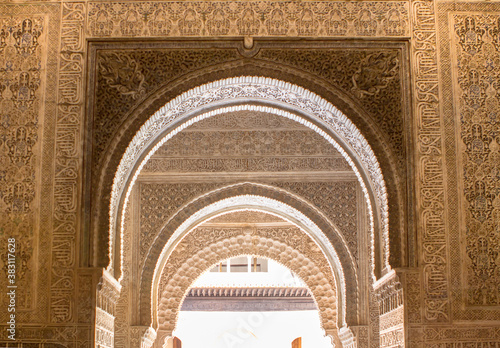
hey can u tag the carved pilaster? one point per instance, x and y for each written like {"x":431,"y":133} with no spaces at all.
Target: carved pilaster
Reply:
{"x":108,"y":291}
{"x":142,"y":336}
{"x":389,"y":291}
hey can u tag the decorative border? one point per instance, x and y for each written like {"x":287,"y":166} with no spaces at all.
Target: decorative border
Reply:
{"x":248,"y":18}
{"x":67,"y":161}
{"x":430,"y":172}
{"x":24,"y":51}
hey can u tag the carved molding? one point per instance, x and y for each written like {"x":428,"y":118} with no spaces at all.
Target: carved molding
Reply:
{"x":248,"y":299}
{"x":248,"y":18}
{"x":456,"y":336}
{"x":244,"y":216}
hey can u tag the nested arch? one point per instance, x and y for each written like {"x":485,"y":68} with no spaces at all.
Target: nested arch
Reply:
{"x":279,"y":99}
{"x":268,"y":95}
{"x":262,"y":198}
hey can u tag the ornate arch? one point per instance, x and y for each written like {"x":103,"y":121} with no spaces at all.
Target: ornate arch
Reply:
{"x":199,"y":251}
{"x":254,"y":197}
{"x":261,"y":94}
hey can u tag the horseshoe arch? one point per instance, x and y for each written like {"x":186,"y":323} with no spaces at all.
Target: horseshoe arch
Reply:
{"x":259,"y":94}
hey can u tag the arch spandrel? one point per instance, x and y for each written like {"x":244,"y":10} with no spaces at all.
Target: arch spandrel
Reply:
{"x":246,"y":89}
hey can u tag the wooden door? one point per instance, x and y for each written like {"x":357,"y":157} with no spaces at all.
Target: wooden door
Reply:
{"x":177,"y":343}
{"x":297,"y":343}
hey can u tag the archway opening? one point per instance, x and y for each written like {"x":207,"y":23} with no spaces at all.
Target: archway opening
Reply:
{"x":322,"y":173}
{"x":249,"y":301}
{"x":264,"y":95}
{"x":232,"y":235}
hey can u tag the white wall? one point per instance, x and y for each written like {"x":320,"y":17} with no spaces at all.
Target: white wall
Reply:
{"x":250,"y":329}
{"x":276,"y":276}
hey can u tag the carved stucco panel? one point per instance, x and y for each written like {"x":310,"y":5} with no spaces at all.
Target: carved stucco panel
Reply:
{"x":337,"y":200}
{"x":370,"y":77}
{"x":477,"y":53}
{"x":28,"y":63}
{"x":159,"y":202}
{"x":467,"y":46}
{"x":23,"y":48}
{"x":127,"y":78}
{"x":248,"y":18}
